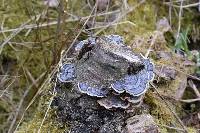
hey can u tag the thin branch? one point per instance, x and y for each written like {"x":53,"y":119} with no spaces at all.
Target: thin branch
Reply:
{"x":6,"y":88}
{"x":193,"y":86}
{"x":107,"y":8}
{"x":176,"y":1}
{"x":170,"y":13}
{"x":169,"y":127}
{"x":179,"y":19}
{"x":19,"y":108}
{"x":185,"y":6}
{"x":152,"y":43}
{"x":4,"y":35}
{"x":49,"y":106}
{"x":31,"y":77}
{"x":12,"y":35}
{"x":114,"y":24}
{"x":15,"y":32}
{"x":81,"y":30}
{"x":121,"y":16}
{"x":190,"y":100}
{"x":33,"y":26}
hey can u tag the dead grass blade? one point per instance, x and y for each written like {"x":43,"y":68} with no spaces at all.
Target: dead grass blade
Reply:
{"x":12,"y":35}
{"x":6,"y":89}
{"x":48,"y":108}
{"x":20,"y":110}
{"x":121,"y":16}
{"x":81,"y":29}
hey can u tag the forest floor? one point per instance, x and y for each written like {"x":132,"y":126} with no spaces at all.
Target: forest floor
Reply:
{"x":34,"y":33}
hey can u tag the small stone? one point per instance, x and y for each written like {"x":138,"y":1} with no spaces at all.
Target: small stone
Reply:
{"x":164,"y":55}
{"x":141,"y":124}
{"x":51,"y":3}
{"x":102,"y":4}
{"x":165,"y":72}
{"x":163,"y":25}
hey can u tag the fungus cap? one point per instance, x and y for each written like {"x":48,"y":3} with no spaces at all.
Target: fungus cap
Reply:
{"x":66,"y":73}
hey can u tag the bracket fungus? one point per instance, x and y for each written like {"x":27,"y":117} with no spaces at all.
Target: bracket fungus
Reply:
{"x":67,"y":73}
{"x":104,"y":67}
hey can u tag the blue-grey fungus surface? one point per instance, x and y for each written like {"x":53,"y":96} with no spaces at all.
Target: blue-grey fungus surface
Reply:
{"x":136,"y":84}
{"x":66,"y":73}
{"x":92,"y":91}
{"x":91,"y":41}
{"x":116,"y":39}
{"x":103,"y":66}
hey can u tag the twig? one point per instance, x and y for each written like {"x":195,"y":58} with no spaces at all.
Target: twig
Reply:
{"x":89,"y":4}
{"x":33,"y":26}
{"x":170,"y":13}
{"x":9,"y":76}
{"x":181,"y":89}
{"x":12,"y":35}
{"x":199,"y":6}
{"x":3,"y":79}
{"x":37,"y":18}
{"x":193,"y":86}
{"x":174,"y":128}
{"x":190,"y":100}
{"x":179,"y":19}
{"x":18,"y":111}
{"x":176,"y":1}
{"x":2,"y":28}
{"x":121,"y":16}
{"x":59,"y":31}
{"x":31,"y":77}
{"x":38,"y":92}
{"x":125,"y":3}
{"x":124,"y":22}
{"x":42,"y":86}
{"x":152,"y":43}
{"x":95,"y":14}
{"x":185,"y":6}
{"x":49,"y":106}
{"x":68,"y":49}
{"x":107,"y":8}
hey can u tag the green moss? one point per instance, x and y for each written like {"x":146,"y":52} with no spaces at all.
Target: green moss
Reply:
{"x":50,"y":124}
{"x":159,"y":109}
{"x":191,"y":130}
{"x":161,"y":112}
